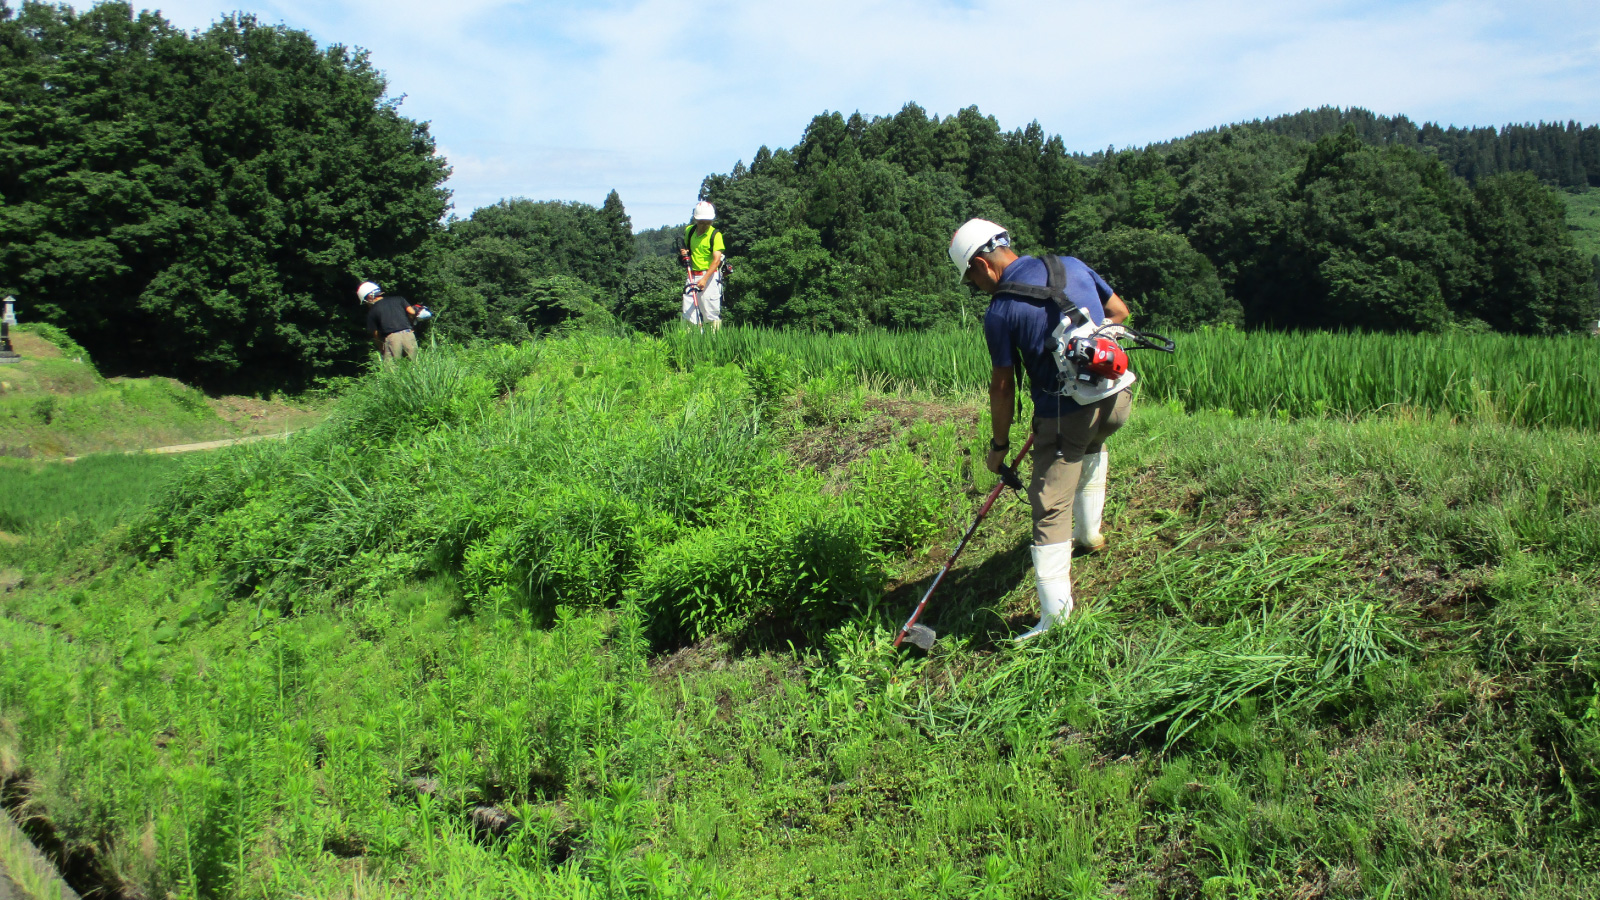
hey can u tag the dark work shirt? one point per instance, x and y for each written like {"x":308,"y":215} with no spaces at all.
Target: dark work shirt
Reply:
{"x":1015,"y":325}
{"x":388,"y":316}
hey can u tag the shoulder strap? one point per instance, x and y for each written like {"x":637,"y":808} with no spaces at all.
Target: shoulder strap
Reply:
{"x":1056,"y":276}
{"x":1051,"y":290}
{"x":711,"y":236}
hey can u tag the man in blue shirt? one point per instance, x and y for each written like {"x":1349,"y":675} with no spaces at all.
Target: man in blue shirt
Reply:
{"x":1068,"y":486}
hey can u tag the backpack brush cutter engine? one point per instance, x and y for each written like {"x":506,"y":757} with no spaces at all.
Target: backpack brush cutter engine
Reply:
{"x":1099,"y":355}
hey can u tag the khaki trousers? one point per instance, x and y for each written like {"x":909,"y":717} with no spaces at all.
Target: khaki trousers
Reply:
{"x":707,"y":308}
{"x":1059,"y":446}
{"x":399,"y":345}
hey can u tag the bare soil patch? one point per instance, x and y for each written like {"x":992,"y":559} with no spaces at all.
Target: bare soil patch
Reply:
{"x":251,"y":415}
{"x":832,"y":447}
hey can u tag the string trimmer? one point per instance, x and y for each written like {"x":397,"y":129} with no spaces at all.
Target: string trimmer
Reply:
{"x":922,"y":635}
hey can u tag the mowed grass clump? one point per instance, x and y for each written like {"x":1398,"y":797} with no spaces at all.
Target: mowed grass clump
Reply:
{"x":1326,"y":658}
{"x":1537,"y":382}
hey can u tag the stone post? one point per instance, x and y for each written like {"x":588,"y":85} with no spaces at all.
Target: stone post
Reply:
{"x":8,"y":355}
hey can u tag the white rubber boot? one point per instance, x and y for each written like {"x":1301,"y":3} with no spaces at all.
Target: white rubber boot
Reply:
{"x":1052,"y":567}
{"x":1089,"y":503}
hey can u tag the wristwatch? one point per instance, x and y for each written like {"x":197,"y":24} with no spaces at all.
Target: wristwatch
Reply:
{"x":998,"y":448}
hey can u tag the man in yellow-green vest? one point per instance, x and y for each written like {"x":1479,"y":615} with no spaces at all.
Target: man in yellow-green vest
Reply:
{"x":702,"y":291}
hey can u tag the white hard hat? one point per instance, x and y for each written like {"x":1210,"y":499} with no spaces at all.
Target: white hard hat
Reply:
{"x":976,"y":236}
{"x":704,"y":211}
{"x":367,"y":289}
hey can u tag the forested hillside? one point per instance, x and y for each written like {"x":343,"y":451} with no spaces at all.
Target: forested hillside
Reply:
{"x":522,"y":265}
{"x":1566,"y":155}
{"x":203,"y":205}
{"x":1244,"y":227}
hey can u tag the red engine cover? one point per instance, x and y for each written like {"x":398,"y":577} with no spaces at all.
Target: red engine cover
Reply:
{"x":1100,"y":357}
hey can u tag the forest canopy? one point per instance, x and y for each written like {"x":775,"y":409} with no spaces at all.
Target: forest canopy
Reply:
{"x":203,"y":205}
{"x":1248,"y":226}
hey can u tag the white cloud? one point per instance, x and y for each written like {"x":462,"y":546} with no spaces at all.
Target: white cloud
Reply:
{"x":648,"y":96}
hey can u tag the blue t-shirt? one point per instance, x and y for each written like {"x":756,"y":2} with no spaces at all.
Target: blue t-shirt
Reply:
{"x":1015,"y":324}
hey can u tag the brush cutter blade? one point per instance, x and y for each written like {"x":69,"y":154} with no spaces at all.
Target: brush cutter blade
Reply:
{"x":922,"y":636}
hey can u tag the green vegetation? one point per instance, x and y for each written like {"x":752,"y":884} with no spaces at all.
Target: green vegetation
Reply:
{"x":441,"y":646}
{"x":1557,"y":153}
{"x":91,"y":493}
{"x":202,"y":205}
{"x":520,"y":266}
{"x":1546,"y":382}
{"x":847,"y":229}
{"x":54,"y":403}
{"x":1583,"y":220}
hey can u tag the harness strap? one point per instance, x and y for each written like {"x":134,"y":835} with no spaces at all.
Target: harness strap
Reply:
{"x":711,"y":239}
{"x":1053,"y":293}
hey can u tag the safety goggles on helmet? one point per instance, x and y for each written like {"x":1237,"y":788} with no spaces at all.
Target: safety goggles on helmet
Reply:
{"x":974,"y":237}
{"x":1000,"y":240}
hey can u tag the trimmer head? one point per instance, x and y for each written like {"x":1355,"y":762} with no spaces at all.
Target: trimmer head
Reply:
{"x":922,"y":636}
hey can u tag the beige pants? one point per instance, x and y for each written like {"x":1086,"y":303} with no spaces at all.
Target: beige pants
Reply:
{"x":1059,"y":446}
{"x":400,"y":345}
{"x":707,"y":308}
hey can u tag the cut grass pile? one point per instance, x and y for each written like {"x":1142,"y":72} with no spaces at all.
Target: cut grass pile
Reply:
{"x":1320,"y":659}
{"x":1542,"y":382}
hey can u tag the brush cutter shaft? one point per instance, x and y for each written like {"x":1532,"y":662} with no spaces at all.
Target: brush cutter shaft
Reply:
{"x":983,"y":511}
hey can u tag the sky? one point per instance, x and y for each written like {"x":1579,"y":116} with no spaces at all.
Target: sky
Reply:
{"x":567,"y":101}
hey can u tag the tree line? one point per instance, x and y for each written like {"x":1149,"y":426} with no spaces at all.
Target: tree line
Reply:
{"x":1243,"y":226}
{"x":1563,"y":154}
{"x":202,"y":204}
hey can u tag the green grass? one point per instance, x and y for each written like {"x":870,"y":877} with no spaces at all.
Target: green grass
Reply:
{"x":93,"y":492}
{"x":1324,"y":657}
{"x":1583,"y":220}
{"x":1545,"y":382}
{"x":53,"y":403}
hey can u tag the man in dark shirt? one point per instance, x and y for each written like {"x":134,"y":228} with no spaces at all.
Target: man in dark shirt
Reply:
{"x":1068,"y":486}
{"x":389,"y":320}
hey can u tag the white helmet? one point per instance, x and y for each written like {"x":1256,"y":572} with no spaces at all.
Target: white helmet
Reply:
{"x":367,"y":289}
{"x":976,"y":236}
{"x":704,"y":211}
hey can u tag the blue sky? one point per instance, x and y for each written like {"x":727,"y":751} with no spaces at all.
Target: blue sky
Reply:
{"x":567,"y":101}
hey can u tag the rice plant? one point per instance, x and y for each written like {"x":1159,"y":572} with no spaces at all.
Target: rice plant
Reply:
{"x":1525,"y":381}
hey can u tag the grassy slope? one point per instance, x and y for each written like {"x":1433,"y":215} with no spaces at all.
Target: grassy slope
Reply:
{"x":1583,"y":219}
{"x":54,"y":403}
{"x":1381,"y":633}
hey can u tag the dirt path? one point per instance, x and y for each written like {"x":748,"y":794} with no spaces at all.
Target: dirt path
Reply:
{"x":202,"y":445}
